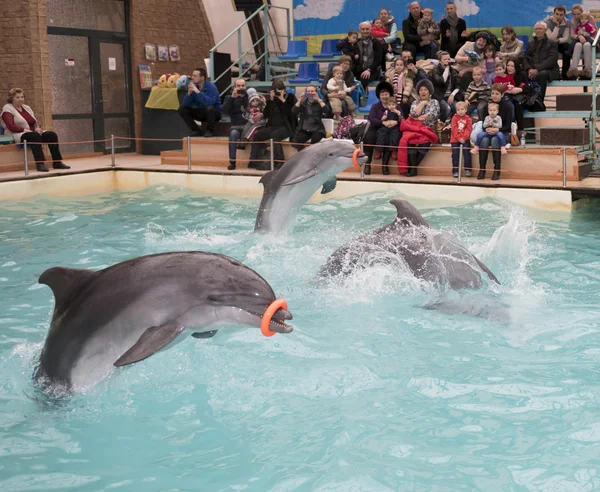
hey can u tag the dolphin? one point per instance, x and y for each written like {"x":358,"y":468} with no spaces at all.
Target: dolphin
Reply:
{"x":290,"y":187}
{"x":430,"y":255}
{"x":129,"y":311}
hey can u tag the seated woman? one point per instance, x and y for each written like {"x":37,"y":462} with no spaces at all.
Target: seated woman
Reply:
{"x":514,"y":94}
{"x":506,"y":112}
{"x":384,"y":92}
{"x":280,"y":124}
{"x":402,"y":83}
{"x":446,"y":86}
{"x":418,"y":131}
{"x":310,"y":111}
{"x":346,"y":63}
{"x":512,"y":48}
{"x":582,"y":47}
{"x":234,"y":106}
{"x":19,"y":121}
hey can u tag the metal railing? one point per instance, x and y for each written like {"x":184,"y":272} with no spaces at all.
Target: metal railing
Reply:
{"x":241,"y":55}
{"x":594,"y":116}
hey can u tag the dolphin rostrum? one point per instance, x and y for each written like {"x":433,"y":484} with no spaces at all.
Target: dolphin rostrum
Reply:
{"x":287,"y":189}
{"x":129,"y":311}
{"x":430,"y":255}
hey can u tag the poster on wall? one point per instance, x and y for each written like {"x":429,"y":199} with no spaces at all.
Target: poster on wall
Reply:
{"x":150,"y":50}
{"x":317,"y":19}
{"x":174,"y":52}
{"x":163,"y":53}
{"x":145,"y":76}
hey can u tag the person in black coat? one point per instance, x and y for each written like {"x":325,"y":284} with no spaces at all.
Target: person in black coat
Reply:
{"x":412,"y":39}
{"x":445,"y":85}
{"x":234,"y":107}
{"x":541,"y":58}
{"x":310,"y":111}
{"x":349,"y":47}
{"x":281,"y":124}
{"x":368,"y":67}
{"x":453,"y":30}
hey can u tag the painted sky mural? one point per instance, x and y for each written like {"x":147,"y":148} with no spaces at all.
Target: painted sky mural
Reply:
{"x":318,"y":17}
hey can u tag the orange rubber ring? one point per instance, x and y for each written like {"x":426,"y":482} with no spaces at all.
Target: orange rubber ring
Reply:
{"x":355,"y":158}
{"x":271,"y":310}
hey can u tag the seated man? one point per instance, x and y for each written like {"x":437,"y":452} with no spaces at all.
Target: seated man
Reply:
{"x":202,"y":103}
{"x":541,"y":58}
{"x":558,"y":31}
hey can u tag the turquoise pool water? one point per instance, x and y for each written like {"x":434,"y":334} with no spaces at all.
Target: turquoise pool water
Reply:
{"x":375,"y":390}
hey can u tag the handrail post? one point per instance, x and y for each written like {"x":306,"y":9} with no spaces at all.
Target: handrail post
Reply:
{"x":289,"y":26}
{"x":266,"y":29}
{"x":593,"y":118}
{"x":26,"y":158}
{"x":362,"y":166}
{"x":272,"y":155}
{"x":460,"y":163}
{"x":240,"y":63}
{"x":112,"y":151}
{"x":189,"y":153}
{"x":211,"y":69}
{"x":564,"y":162}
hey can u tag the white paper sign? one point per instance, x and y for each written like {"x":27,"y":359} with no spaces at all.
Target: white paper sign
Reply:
{"x":69,"y":62}
{"x":112,"y":64}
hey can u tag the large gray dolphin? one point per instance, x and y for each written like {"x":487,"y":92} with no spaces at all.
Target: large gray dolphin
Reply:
{"x":129,"y":311}
{"x":431,"y":255}
{"x":287,"y":189}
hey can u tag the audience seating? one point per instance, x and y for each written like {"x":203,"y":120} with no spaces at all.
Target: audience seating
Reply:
{"x":525,"y":40}
{"x":372,"y":100}
{"x":328,"y":49}
{"x":296,"y":49}
{"x":307,"y":72}
{"x":5,"y":139}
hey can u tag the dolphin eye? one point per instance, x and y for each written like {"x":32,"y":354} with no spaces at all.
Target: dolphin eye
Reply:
{"x":330,"y":154}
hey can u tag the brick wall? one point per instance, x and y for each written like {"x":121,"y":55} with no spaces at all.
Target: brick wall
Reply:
{"x":24,"y":55}
{"x":180,"y":22}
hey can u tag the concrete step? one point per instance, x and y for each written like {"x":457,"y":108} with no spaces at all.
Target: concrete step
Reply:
{"x":563,"y":136}
{"x":531,"y":162}
{"x":576,"y":102}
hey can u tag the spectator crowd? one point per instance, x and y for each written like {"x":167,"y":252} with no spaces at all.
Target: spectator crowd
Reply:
{"x":443,"y":77}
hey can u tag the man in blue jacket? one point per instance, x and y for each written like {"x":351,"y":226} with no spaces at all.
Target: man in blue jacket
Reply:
{"x":202,"y":103}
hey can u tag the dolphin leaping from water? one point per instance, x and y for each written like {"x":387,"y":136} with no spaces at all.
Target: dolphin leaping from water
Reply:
{"x":430,"y":255}
{"x":129,"y":311}
{"x":287,"y":189}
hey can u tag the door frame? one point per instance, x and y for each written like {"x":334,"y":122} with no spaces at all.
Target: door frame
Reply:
{"x":97,"y":116}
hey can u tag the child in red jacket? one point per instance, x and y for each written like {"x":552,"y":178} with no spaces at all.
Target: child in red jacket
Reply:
{"x":461,"y":135}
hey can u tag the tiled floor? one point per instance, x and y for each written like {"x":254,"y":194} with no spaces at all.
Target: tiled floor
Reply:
{"x":147,"y":163}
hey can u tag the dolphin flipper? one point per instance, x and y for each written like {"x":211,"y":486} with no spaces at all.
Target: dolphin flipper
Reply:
{"x":294,"y":177}
{"x":205,"y":334}
{"x":151,"y":341}
{"x":486,"y":270}
{"x":329,"y":186}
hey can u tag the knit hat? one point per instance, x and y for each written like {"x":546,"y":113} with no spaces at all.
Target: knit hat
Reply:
{"x":427,"y":84}
{"x":251,"y":91}
{"x":384,"y":86}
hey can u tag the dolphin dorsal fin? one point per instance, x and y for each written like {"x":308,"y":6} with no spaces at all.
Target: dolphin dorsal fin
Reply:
{"x":407,"y":213}
{"x":64,"y":281}
{"x":266,"y":178}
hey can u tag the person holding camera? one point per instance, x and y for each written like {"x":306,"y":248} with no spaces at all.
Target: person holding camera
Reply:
{"x":201,"y":103}
{"x":280,"y":124}
{"x":310,"y":110}
{"x":445,"y":85}
{"x":234,"y":106}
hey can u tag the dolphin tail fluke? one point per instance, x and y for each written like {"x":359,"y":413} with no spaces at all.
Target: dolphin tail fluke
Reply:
{"x":151,"y":341}
{"x":487,"y":270}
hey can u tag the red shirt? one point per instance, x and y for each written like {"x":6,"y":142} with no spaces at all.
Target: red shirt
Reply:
{"x":506,"y":80}
{"x":379,"y":32}
{"x":9,"y":120}
{"x":461,"y":128}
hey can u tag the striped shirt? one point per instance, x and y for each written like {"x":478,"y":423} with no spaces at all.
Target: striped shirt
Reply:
{"x":482,"y":92}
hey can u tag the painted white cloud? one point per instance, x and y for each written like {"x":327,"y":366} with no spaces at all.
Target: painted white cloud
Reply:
{"x":464,"y":8}
{"x":319,"y":9}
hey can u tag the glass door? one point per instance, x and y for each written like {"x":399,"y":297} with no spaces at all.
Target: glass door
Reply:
{"x":90,"y":73}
